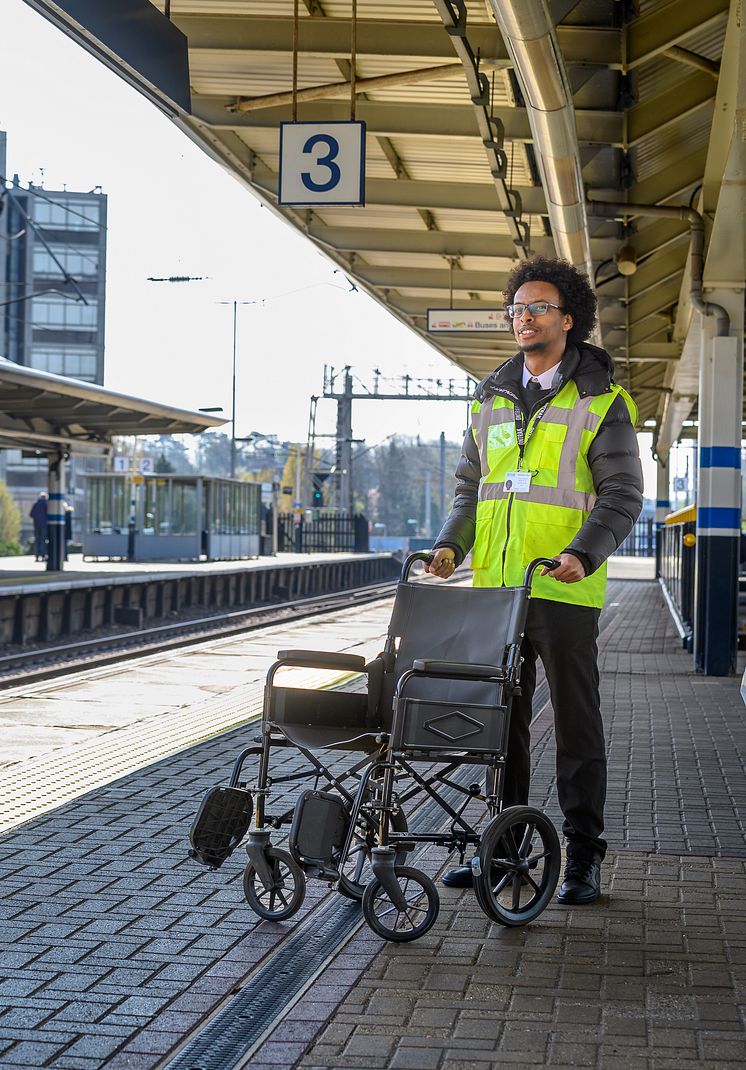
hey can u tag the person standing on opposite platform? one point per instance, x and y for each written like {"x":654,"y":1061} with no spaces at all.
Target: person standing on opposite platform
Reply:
{"x":551,"y":468}
{"x":69,"y":510}
{"x":38,"y":514}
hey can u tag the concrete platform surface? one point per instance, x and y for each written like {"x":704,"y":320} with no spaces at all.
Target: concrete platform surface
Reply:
{"x":117,"y":947}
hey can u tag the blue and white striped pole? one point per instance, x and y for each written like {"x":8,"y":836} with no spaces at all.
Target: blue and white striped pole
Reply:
{"x":662,"y":506}
{"x":56,"y":512}
{"x":718,"y":506}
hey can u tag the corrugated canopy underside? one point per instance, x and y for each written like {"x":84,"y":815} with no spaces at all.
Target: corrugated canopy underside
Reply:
{"x":434,"y":230}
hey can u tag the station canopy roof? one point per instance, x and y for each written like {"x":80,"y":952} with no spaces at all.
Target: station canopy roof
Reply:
{"x":41,"y":411}
{"x":479,"y":130}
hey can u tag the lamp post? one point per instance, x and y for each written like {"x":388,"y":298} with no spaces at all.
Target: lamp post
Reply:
{"x":235,"y":305}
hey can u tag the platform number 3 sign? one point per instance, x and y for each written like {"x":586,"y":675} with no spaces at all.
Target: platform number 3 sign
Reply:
{"x":322,"y":163}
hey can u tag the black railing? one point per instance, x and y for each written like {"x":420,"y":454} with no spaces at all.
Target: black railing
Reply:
{"x":675,"y":571}
{"x":641,"y":540}
{"x":326,"y":533}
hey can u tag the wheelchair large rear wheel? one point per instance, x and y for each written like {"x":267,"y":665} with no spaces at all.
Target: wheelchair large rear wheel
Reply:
{"x":288,"y":890}
{"x":399,"y":926}
{"x":519,"y":856}
{"x":356,"y":872}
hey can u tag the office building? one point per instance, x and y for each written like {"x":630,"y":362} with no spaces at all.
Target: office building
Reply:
{"x":52,"y":297}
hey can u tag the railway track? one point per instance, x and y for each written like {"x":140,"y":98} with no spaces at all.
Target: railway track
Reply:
{"x":44,"y":662}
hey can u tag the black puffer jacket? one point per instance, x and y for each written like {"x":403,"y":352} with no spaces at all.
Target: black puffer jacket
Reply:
{"x":614,"y":460}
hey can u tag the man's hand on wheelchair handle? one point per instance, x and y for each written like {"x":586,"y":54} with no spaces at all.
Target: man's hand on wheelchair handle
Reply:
{"x":443,"y":563}
{"x":569,"y":570}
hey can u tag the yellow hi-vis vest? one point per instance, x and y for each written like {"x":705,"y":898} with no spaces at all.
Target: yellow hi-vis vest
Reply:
{"x":513,"y":529}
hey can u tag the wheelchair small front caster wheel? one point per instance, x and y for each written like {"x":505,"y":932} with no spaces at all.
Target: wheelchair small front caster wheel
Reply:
{"x":288,"y":890}
{"x":411,"y":921}
{"x":356,"y":872}
{"x":519,"y":856}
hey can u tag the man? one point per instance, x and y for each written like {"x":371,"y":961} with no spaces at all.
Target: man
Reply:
{"x":551,"y":468}
{"x":38,"y":514}
{"x":68,"y":517}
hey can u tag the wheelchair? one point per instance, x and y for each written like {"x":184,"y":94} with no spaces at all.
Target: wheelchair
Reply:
{"x":436,"y":706}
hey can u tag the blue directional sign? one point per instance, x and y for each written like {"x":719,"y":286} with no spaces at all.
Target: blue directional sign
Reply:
{"x":322,"y":163}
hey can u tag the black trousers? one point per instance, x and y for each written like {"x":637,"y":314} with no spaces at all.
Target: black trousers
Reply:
{"x":564,"y":637}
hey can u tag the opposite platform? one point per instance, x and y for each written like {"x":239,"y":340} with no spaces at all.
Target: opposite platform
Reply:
{"x":42,"y":608}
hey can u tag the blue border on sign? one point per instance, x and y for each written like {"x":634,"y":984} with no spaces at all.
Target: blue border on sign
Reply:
{"x":429,"y":310}
{"x":360,"y":203}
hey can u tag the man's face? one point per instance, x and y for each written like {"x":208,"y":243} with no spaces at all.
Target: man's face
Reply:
{"x":536,"y":334}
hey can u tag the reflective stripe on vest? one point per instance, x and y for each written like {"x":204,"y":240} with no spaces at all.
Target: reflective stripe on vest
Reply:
{"x":514,"y":528}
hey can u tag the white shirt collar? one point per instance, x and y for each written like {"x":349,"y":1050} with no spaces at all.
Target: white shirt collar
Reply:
{"x":545,"y":379}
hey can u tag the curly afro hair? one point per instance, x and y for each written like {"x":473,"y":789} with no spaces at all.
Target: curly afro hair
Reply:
{"x":577,"y":295}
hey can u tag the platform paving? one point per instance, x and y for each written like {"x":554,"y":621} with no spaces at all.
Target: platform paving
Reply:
{"x":116,"y":946}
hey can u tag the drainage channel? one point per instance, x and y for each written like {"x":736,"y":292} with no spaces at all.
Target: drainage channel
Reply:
{"x":245,"y":1019}
{"x":230,"y":1038}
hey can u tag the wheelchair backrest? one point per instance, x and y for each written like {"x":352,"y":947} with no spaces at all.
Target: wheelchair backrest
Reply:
{"x":476,"y":625}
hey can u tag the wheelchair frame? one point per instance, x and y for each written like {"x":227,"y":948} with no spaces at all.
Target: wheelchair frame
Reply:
{"x":505,"y":866}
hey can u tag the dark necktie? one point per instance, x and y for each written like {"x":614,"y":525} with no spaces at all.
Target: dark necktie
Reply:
{"x":533,"y":386}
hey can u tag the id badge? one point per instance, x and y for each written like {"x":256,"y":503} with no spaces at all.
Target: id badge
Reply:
{"x":518,"y":482}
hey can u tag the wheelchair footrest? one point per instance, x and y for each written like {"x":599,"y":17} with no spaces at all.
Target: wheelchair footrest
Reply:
{"x":319,"y":829}
{"x":221,"y":823}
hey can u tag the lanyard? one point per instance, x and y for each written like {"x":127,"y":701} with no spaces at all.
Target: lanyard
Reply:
{"x":520,"y":424}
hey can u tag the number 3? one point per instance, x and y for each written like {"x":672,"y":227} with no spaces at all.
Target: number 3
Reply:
{"x":327,"y":161}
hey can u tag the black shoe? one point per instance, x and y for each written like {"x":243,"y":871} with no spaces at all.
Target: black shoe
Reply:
{"x":581,"y":883}
{"x":460,"y":877}
{"x":463,"y":876}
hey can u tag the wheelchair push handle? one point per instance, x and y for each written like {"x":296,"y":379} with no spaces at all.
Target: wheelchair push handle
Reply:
{"x":409,"y":560}
{"x":539,"y":562}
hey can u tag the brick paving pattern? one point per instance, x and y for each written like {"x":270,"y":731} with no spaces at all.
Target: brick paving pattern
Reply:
{"x":115,"y":945}
{"x":649,"y":978}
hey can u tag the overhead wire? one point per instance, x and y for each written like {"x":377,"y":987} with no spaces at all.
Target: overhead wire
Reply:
{"x":97,"y":225}
{"x":73,"y":248}
{"x":63,"y":270}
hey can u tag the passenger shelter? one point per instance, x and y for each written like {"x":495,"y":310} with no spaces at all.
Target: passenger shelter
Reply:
{"x":51,"y":415}
{"x":176,"y":518}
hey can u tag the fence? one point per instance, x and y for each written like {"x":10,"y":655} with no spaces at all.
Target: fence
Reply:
{"x":675,"y":571}
{"x":326,"y":533}
{"x":641,"y":540}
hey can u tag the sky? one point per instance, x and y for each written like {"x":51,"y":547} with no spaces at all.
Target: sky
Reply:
{"x":173,"y":211}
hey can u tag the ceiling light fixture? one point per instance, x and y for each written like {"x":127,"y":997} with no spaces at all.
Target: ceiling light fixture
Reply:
{"x":626,"y":260}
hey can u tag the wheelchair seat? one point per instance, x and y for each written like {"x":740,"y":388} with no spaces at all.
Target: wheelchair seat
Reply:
{"x":429,"y":624}
{"x":327,"y":718}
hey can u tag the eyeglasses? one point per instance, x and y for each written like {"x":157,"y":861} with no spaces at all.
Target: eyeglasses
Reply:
{"x":536,"y":308}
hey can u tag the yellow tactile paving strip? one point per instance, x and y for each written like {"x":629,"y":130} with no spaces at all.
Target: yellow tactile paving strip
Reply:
{"x":167,"y":713}
{"x":41,"y":784}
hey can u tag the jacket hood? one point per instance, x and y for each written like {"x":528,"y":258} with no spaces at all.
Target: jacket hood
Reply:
{"x":590,"y":366}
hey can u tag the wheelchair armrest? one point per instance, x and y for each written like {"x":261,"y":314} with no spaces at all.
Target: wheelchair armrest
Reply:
{"x":457,"y":668}
{"x":322,"y":659}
